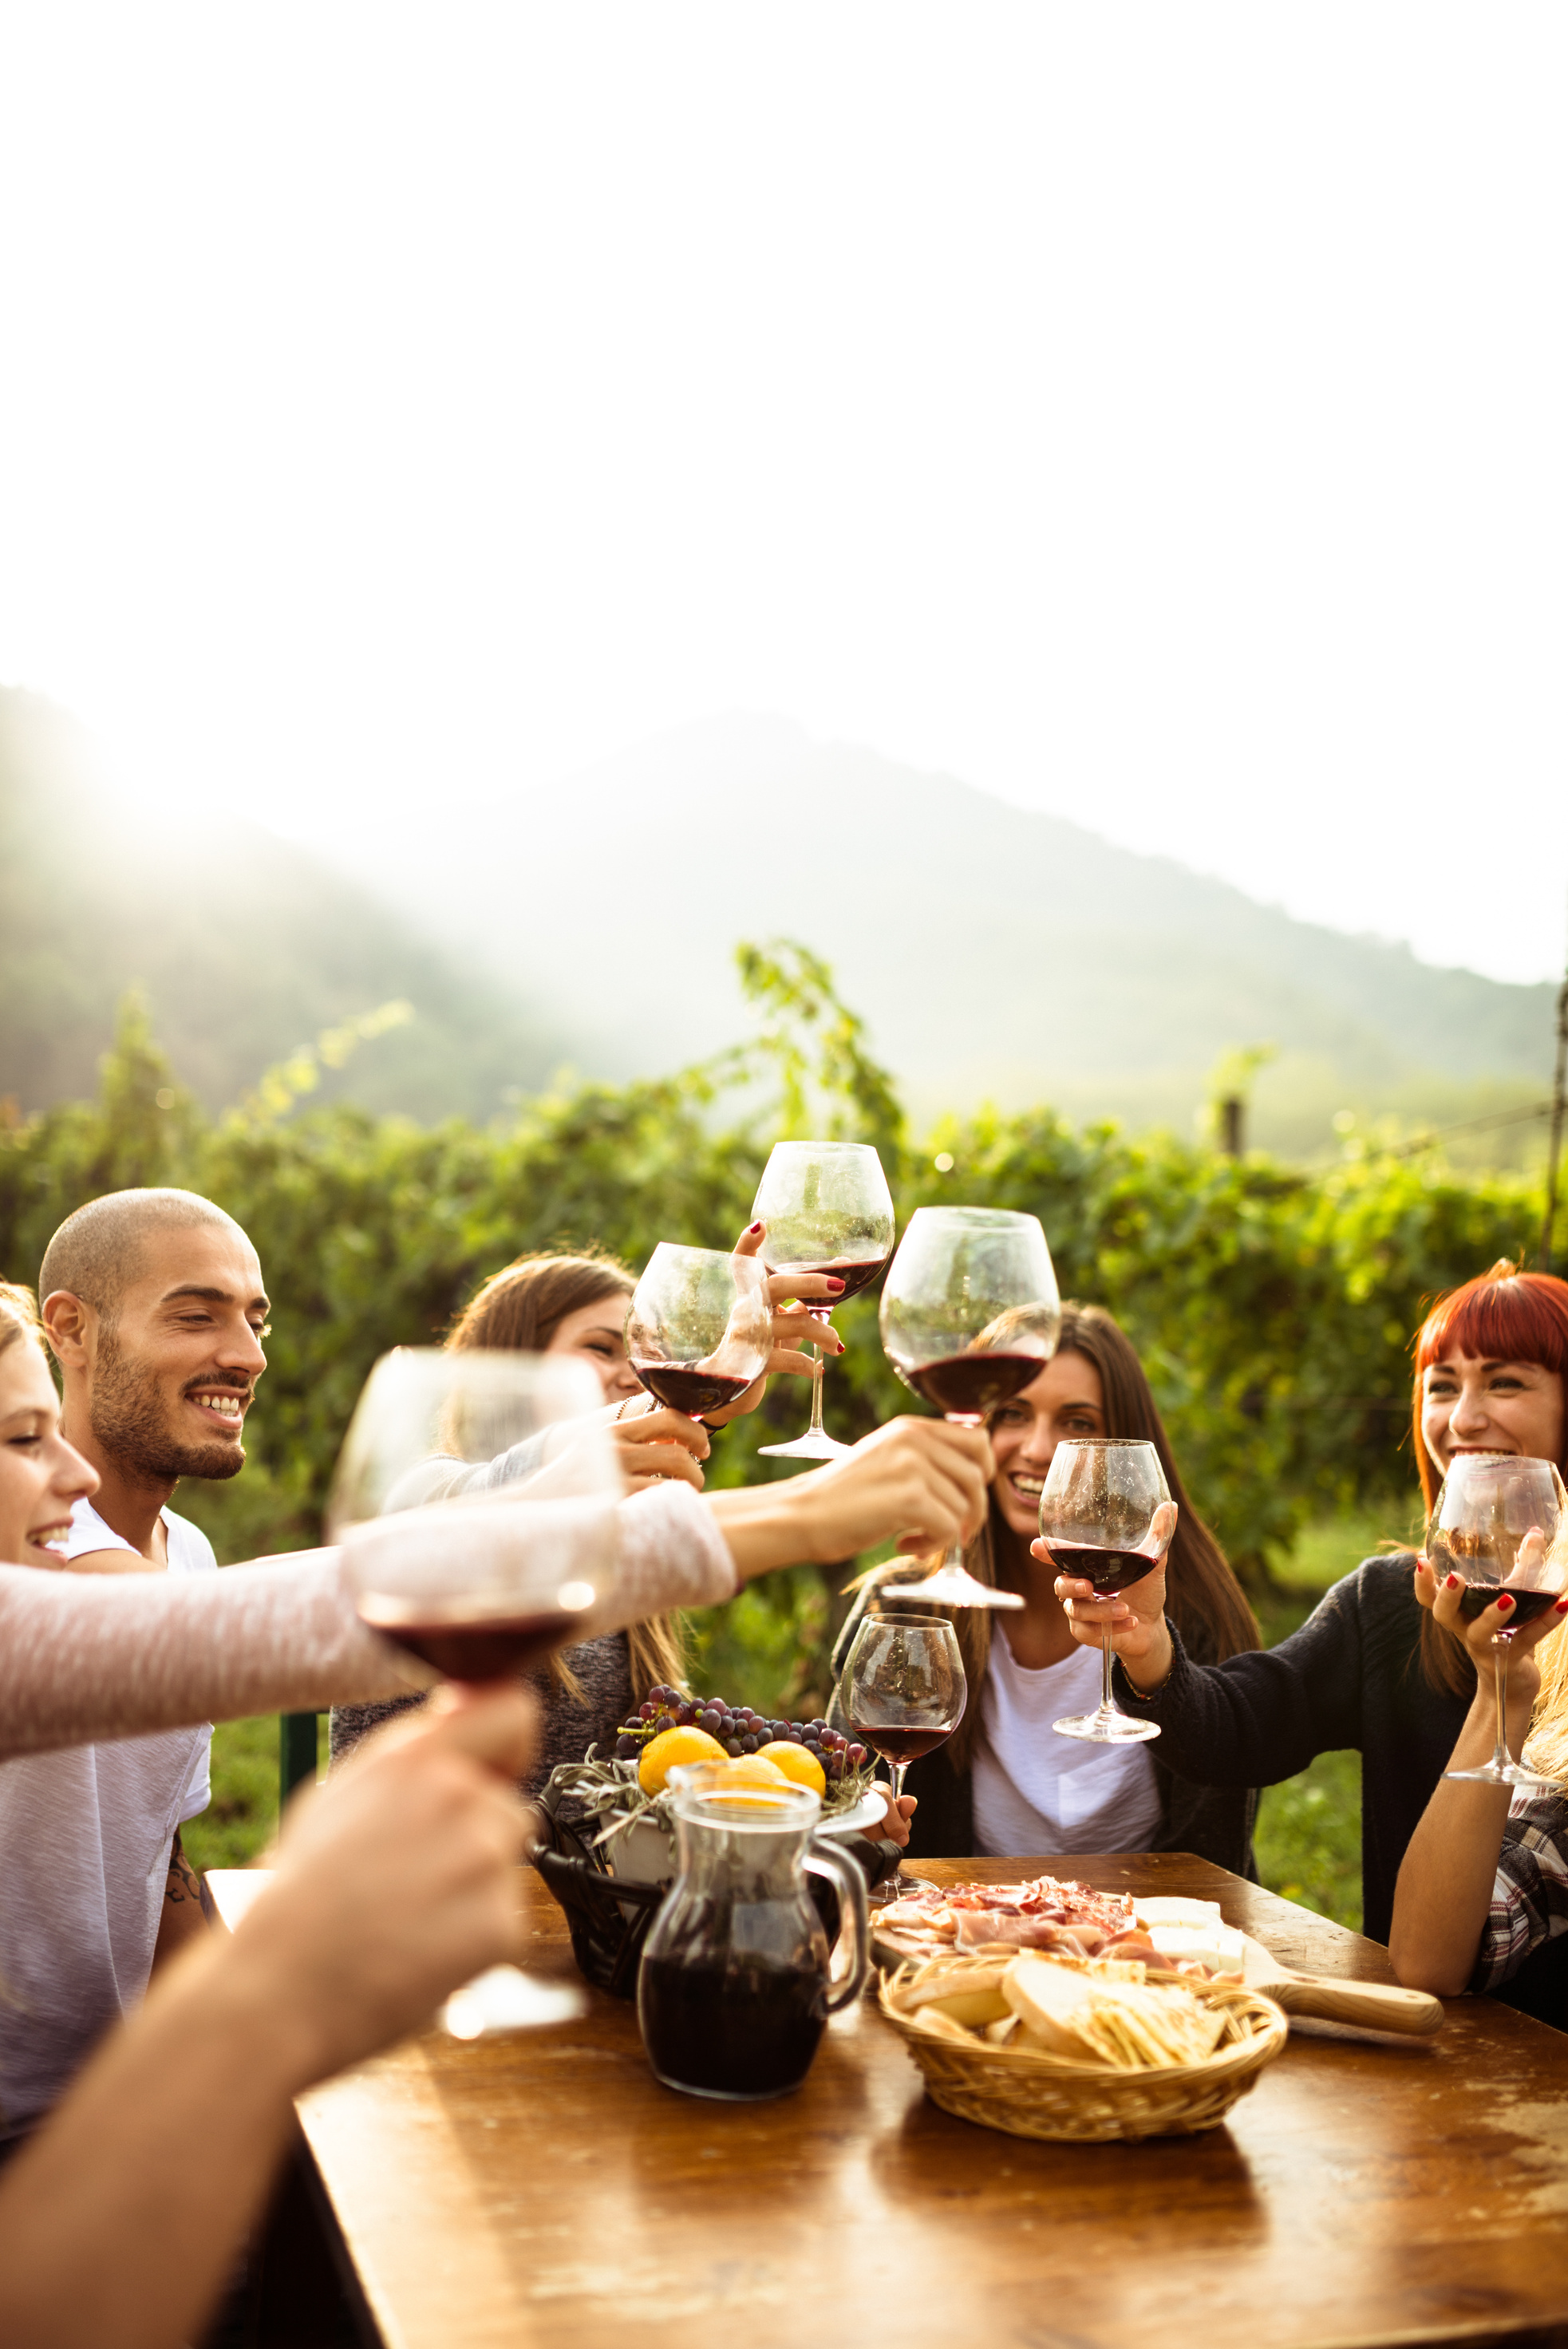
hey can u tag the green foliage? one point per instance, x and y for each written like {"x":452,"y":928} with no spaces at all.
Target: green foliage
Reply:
{"x":1273,"y":1313}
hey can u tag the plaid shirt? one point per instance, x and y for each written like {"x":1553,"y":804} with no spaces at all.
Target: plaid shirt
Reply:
{"x":1530,"y":1896}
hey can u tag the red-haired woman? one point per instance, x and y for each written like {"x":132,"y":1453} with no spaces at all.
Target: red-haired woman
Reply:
{"x":1371,"y":1669}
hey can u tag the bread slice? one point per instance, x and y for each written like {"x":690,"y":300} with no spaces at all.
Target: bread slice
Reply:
{"x":1050,"y":2002}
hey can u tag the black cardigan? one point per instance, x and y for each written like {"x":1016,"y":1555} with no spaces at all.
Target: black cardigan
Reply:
{"x":1216,"y":1825}
{"x":1351,"y":1677}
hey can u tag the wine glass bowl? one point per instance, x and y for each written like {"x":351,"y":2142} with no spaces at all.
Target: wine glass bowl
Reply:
{"x":437,"y":1438}
{"x":1488,"y":1507}
{"x":828,"y":1209}
{"x":700,"y":1327}
{"x":1106,"y":1514}
{"x":971,"y":1314}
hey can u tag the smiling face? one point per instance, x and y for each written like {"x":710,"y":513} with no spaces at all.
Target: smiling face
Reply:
{"x":40,"y":1475}
{"x":161,"y":1385}
{"x":1468,"y":1405}
{"x":596,"y":1334}
{"x":1066,"y":1400}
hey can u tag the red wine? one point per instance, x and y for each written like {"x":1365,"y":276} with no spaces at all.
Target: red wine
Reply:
{"x":462,"y":1648}
{"x":686,"y":1387}
{"x":1476,"y":1597}
{"x":973,"y":1384}
{"x":741,"y":2028}
{"x":856,"y":1273}
{"x":1110,"y":1571}
{"x":899,"y":1741}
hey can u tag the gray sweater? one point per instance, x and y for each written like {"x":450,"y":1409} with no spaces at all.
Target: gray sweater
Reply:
{"x":602,"y":1666}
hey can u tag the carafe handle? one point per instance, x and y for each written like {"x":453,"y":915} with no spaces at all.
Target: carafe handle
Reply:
{"x":825,"y":1858}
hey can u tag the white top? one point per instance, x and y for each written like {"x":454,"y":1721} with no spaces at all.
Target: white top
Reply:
{"x":85,"y":1839}
{"x":1038,"y":1794}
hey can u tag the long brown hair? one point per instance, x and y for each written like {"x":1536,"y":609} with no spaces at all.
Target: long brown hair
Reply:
{"x":1501,"y":1316}
{"x":518,"y":1310}
{"x":1205,"y":1602}
{"x":18,"y":1316}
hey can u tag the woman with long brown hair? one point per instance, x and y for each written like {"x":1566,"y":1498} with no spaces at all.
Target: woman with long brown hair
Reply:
{"x":577,"y":1305}
{"x":1004,"y":1783}
{"x":1370,"y":1669}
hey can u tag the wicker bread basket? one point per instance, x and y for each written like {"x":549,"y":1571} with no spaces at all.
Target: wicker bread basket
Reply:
{"x":1029,"y":2093}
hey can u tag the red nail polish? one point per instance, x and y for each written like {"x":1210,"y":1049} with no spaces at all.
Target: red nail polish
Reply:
{"x":1561,"y":1607}
{"x":755,"y":1228}
{"x":833,"y":1284}
{"x":1452,"y":1583}
{"x":1505,"y":1603}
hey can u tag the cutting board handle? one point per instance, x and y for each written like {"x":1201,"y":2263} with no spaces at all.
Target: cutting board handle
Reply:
{"x":1374,"y":2006}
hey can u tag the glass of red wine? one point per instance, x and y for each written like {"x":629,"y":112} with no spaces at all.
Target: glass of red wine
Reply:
{"x":700,"y":1329}
{"x":971,"y":1314}
{"x":828,"y":1209}
{"x":1494,"y":1524}
{"x":902,"y":1692}
{"x":1107,"y":1516}
{"x":437,"y":1440}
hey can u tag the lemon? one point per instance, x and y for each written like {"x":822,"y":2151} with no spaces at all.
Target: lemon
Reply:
{"x":753,"y":1770}
{"x":793,"y":1761}
{"x":670,"y":1750}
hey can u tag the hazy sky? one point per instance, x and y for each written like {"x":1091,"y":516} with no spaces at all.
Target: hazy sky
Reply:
{"x":1155,"y":414}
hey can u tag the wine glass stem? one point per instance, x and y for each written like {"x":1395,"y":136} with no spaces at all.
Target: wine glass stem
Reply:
{"x":897,"y":1770}
{"x":1501,"y":1756}
{"x":816,"y":1427}
{"x":1108,"y":1665}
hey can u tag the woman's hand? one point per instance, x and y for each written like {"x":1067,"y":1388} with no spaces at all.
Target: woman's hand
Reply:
{"x":1442,"y":1598}
{"x":1139,"y":1631}
{"x":654,"y":1444}
{"x":793,"y":1327}
{"x":916,"y":1481}
{"x":894,"y":1825}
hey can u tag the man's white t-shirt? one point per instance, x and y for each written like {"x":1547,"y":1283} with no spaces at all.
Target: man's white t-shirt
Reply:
{"x":85,"y":1839}
{"x":1035,"y":1793}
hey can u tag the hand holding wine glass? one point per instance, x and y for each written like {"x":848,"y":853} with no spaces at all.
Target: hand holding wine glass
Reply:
{"x":828,"y":1212}
{"x":1108,"y":1517}
{"x":970,"y":1313}
{"x":1494,"y":1529}
{"x":473,"y":1427}
{"x":902,"y":1693}
{"x":700,"y":1331}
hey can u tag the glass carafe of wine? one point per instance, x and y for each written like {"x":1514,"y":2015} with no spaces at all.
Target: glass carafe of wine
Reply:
{"x":971,"y":1314}
{"x":734,"y":1991}
{"x":437,"y":1440}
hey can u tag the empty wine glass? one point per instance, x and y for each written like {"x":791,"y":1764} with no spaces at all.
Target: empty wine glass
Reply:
{"x":699,"y":1330}
{"x":971,"y":1314}
{"x":1494,"y":1524}
{"x":437,"y":1439}
{"x":828,"y":1209}
{"x":902,"y":1692}
{"x":1106,"y":1512}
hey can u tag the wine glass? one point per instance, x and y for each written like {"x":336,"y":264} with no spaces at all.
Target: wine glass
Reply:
{"x":436,"y":1440}
{"x":902,"y":1692}
{"x":699,"y":1330}
{"x":1106,"y":1512}
{"x":828,"y":1209}
{"x":970,"y":1313}
{"x":1481,"y":1528}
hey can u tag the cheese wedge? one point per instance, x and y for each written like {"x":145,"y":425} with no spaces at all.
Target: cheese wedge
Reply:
{"x":1166,"y":1908}
{"x":1218,"y":1948}
{"x":1050,"y":2002}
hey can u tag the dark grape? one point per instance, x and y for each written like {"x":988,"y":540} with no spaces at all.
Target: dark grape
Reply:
{"x":748,"y":1743}
{"x":709,"y":1722}
{"x":627,"y":1748}
{"x":856,"y":1757}
{"x":647,"y":1712}
{"x":732,"y":1746}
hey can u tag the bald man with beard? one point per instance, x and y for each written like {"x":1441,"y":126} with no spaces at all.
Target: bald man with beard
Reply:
{"x":154,"y":1304}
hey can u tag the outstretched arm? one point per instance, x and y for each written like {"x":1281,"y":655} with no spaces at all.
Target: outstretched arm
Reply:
{"x":395,"y":1883}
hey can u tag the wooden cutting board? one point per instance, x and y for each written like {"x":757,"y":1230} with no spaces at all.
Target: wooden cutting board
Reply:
{"x":1368,"y":2006}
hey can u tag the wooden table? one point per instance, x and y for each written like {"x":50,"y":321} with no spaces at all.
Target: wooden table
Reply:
{"x":543,"y":2189}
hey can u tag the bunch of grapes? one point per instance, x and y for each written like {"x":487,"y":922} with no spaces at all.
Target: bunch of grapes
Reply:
{"x":738,"y":1728}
